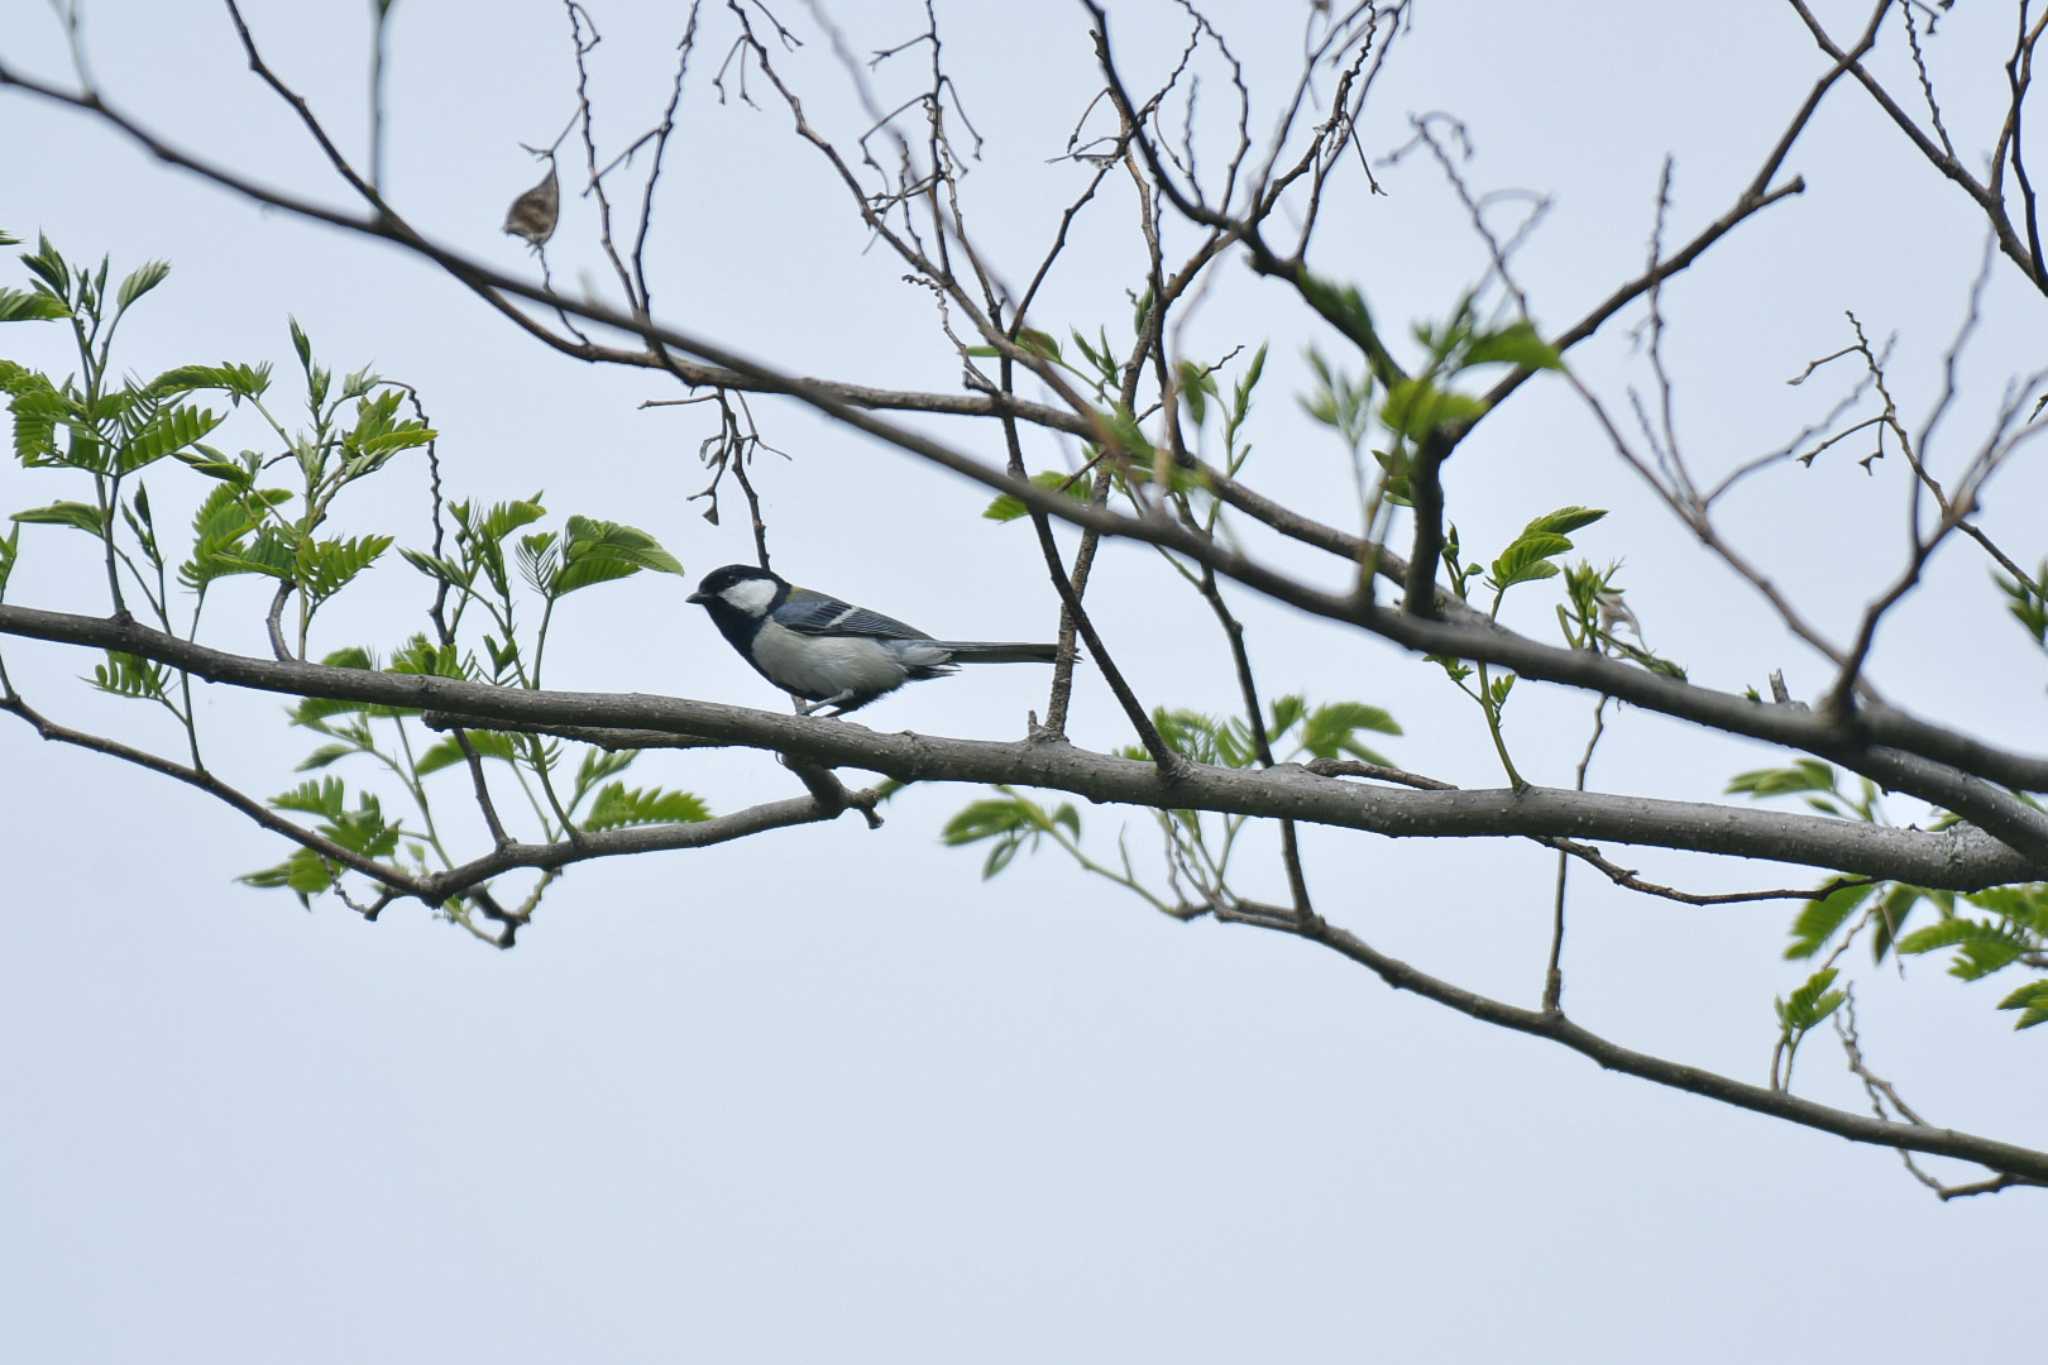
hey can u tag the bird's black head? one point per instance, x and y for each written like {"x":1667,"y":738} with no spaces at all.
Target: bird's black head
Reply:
{"x":739,"y":592}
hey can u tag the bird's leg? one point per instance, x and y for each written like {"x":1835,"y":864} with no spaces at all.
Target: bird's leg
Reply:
{"x":807,"y":708}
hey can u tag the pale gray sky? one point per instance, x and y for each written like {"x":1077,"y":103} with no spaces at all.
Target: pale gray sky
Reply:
{"x":824,"y":1094}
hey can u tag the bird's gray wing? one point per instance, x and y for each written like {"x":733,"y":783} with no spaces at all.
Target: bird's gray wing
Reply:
{"x":814,"y":613}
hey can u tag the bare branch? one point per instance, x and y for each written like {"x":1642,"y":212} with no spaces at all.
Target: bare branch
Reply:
{"x":1553,"y":974}
{"x":2018,"y":1162}
{"x":1980,"y":194}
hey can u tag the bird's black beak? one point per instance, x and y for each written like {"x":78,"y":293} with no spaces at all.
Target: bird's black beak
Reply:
{"x":700,"y":598}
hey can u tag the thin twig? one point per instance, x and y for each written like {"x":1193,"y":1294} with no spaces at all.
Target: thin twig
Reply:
{"x":1553,"y":974}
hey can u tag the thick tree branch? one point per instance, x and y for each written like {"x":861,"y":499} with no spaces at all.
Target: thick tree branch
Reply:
{"x":1585,"y":853}
{"x":828,"y":800}
{"x":1960,"y":858}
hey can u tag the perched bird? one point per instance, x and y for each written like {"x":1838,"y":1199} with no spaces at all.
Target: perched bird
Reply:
{"x":830,"y":653}
{"x":533,"y":214}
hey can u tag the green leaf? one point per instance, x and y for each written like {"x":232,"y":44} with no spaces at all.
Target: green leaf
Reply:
{"x":1455,"y":668}
{"x":214,"y":465}
{"x":2033,"y":998}
{"x":360,"y":382}
{"x":618,"y":805}
{"x":1981,"y":948}
{"x":1241,"y":402}
{"x":79,"y":515}
{"x":22,"y":305}
{"x":1287,"y":711}
{"x":269,"y":554}
{"x":985,"y":819}
{"x":2024,"y":906}
{"x":363,"y":830}
{"x":1008,"y":508}
{"x":447,"y":753}
{"x":10,"y":550}
{"x":1127,"y":434}
{"x":16,"y":379}
{"x":305,"y":873}
{"x":596,"y":766}
{"x":243,"y":381}
{"x":503,"y":657}
{"x":1822,"y":916}
{"x":441,"y":570}
{"x":1891,"y":916}
{"x":1515,"y":344}
{"x":220,"y":526}
{"x":1806,"y":774}
{"x":140,"y":281}
{"x":1564,"y":520}
{"x":129,"y":675}
{"x":423,"y":657}
{"x":322,"y":796}
{"x":1332,"y":729}
{"x":1811,"y":1003}
{"x":324,"y":755}
{"x":499,"y":520}
{"x":1039,"y":343}
{"x":1000,"y":855}
{"x":1417,"y":407}
{"x":1098,"y":359}
{"x":1197,"y":386}
{"x":171,"y":431}
{"x":2029,"y":606}
{"x":1528,"y":559}
{"x":47,"y":264}
{"x":1188,"y":733}
{"x":1234,"y":747}
{"x":37,"y":409}
{"x":325,"y":567}
{"x":599,"y":551}
{"x":1342,"y":305}
{"x":377,"y":434}
{"x":540,"y":559}
{"x":1011,"y":823}
{"x":979,"y":820}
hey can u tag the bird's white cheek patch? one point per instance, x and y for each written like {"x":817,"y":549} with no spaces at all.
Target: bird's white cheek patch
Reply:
{"x":751,"y":596}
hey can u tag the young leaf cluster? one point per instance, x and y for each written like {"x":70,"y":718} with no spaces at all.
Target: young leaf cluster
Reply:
{"x":1805,"y":1009}
{"x":1196,"y":847}
{"x":2012,"y":931}
{"x":105,"y":435}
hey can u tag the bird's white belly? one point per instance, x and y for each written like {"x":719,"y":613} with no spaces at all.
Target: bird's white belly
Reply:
{"x":818,"y":667}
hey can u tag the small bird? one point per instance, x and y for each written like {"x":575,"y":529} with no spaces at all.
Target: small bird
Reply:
{"x":828,"y":652}
{"x":533,"y":214}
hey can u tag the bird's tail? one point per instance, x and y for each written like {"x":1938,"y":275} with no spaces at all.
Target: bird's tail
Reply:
{"x":997,"y":652}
